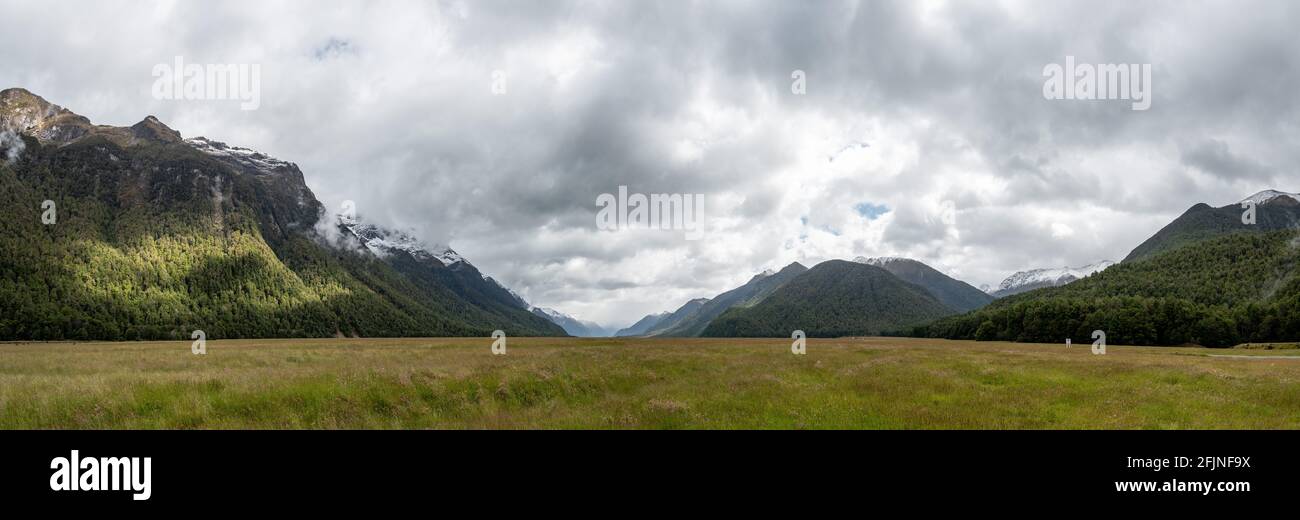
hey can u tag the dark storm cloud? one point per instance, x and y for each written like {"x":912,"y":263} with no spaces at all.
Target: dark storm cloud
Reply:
{"x":1214,"y":157}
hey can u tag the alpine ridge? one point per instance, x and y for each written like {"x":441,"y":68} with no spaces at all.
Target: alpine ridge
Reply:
{"x":956,"y":294}
{"x":1023,"y":281}
{"x":1274,"y":211}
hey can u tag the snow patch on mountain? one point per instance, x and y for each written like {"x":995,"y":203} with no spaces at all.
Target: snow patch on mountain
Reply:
{"x":251,"y":159}
{"x":1049,"y":277}
{"x":383,"y":242}
{"x":878,"y":261}
{"x":553,"y":314}
{"x":1267,"y":195}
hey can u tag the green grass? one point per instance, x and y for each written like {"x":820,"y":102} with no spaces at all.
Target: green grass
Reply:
{"x":639,"y":383}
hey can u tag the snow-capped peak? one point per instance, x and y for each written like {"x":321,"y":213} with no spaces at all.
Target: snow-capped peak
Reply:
{"x":554,"y":314}
{"x":251,"y":159}
{"x":1267,"y":195}
{"x":571,"y":324}
{"x":383,"y":242}
{"x":879,"y":260}
{"x":1056,"y":276}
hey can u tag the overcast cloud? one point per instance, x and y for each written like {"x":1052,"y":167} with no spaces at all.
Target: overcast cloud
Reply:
{"x":923,"y":131}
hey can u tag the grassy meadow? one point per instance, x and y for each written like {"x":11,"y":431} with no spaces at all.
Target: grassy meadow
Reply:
{"x":642,"y":383}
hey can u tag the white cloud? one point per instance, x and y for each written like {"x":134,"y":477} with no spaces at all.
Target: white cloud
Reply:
{"x":389,"y":104}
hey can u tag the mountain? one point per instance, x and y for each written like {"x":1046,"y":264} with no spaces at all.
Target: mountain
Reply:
{"x":441,"y":268}
{"x":572,"y":325}
{"x":956,"y":294}
{"x":642,"y":325}
{"x":675,"y":317}
{"x":1217,"y":291}
{"x":1024,"y":281}
{"x":1274,"y":211}
{"x":1268,"y":195}
{"x":752,"y":292}
{"x":385,"y":242}
{"x":155,"y":236}
{"x":834,"y":298}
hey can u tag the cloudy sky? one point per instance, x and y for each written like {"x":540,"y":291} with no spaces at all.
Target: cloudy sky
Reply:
{"x":923,"y":130}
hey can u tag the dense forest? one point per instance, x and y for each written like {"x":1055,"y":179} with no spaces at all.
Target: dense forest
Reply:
{"x":1220,"y":291}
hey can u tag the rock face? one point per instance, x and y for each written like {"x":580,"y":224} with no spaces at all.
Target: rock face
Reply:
{"x":26,"y":113}
{"x":29,"y":114}
{"x":158,"y":236}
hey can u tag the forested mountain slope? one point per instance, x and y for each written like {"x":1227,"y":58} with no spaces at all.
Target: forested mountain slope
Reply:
{"x":834,"y":298}
{"x":752,"y":292}
{"x":155,"y":237}
{"x":1218,"y":291}
{"x":954,"y":293}
{"x":1274,"y":211}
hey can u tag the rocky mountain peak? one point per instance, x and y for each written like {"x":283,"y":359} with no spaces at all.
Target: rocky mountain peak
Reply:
{"x":153,"y":129}
{"x":27,"y":113}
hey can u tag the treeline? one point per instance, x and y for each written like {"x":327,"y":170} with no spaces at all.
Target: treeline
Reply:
{"x":1129,"y":320}
{"x":1218,"y":292}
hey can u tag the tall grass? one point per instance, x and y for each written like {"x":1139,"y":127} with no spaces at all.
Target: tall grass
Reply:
{"x":635,"y":383}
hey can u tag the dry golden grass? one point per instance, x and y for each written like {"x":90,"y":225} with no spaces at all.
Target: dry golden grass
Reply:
{"x":639,"y":383}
